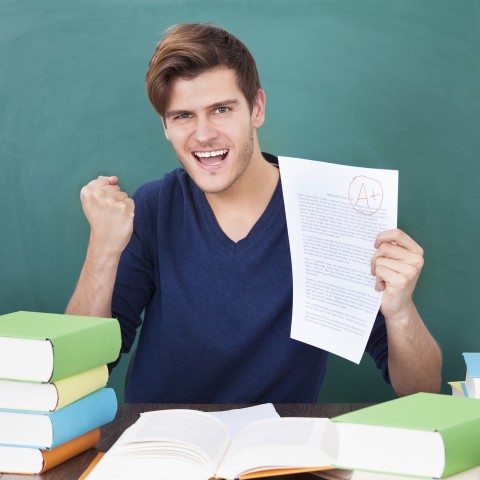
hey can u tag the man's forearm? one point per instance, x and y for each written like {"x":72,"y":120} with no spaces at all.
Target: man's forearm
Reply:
{"x":93,"y":294}
{"x":110,"y":214}
{"x":414,"y":357}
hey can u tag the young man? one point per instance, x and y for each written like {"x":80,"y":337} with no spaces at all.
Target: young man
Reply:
{"x":205,"y":251}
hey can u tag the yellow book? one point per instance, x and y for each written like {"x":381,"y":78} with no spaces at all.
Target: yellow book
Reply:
{"x":49,"y":397}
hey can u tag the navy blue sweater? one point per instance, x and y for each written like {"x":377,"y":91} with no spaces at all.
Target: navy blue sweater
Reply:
{"x":217,"y":317}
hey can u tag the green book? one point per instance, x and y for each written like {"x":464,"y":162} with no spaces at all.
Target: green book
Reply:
{"x":45,"y":347}
{"x":425,"y":435}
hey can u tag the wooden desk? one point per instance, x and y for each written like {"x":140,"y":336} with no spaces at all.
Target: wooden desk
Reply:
{"x":129,"y":413}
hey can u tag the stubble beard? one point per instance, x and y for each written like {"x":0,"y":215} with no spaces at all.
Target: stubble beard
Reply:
{"x":245,"y":156}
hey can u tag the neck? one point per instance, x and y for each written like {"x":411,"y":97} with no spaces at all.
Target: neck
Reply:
{"x":238,"y":209}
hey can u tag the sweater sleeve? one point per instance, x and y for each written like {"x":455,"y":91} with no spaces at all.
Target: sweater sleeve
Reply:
{"x":134,"y":283}
{"x":377,"y":346}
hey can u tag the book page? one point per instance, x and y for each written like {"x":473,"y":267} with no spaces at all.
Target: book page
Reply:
{"x":198,"y":431}
{"x":166,"y":444}
{"x":281,"y":443}
{"x":176,"y":443}
{"x":334,"y":213}
{"x":238,"y":418}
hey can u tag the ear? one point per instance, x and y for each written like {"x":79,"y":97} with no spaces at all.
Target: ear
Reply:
{"x":258,"y":111}
{"x":165,"y":128}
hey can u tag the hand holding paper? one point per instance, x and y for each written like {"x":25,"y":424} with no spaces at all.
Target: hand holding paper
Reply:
{"x":397,"y":264}
{"x":336,"y":217}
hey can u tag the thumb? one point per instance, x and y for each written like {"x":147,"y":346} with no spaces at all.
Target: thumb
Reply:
{"x":112,"y":180}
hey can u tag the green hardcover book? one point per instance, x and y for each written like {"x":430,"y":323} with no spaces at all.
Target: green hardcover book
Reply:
{"x":427,"y":435}
{"x":45,"y":347}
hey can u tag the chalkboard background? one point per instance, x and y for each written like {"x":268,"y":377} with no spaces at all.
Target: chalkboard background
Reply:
{"x":375,"y":83}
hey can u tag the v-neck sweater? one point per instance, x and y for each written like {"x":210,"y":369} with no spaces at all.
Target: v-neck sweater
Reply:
{"x":217,"y":313}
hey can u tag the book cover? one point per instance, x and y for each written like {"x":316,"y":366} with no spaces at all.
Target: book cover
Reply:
{"x":34,"y":461}
{"x":45,"y":347}
{"x":472,"y":378}
{"x":459,"y":389}
{"x":48,"y":397}
{"x":449,"y":425}
{"x":338,"y":474}
{"x":46,"y":430}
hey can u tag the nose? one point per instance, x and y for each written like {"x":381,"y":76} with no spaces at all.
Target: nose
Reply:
{"x":205,"y":130}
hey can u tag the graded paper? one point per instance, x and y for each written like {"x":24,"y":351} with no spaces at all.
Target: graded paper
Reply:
{"x":334,"y":213}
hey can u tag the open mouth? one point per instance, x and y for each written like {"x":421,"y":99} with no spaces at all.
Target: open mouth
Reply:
{"x":211,"y":158}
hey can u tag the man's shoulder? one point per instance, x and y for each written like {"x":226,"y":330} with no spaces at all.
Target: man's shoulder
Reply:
{"x":170,"y":181}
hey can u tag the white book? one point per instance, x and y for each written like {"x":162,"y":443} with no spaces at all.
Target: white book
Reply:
{"x":340,"y":474}
{"x":48,"y":397}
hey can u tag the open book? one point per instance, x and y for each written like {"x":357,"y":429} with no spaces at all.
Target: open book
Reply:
{"x":197,"y":445}
{"x":423,"y":435}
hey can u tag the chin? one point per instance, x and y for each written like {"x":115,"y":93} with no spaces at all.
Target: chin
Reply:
{"x":212,"y":189}
{"x":215,"y":186}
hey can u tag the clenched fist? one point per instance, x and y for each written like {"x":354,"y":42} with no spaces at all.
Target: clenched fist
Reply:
{"x":110,"y":213}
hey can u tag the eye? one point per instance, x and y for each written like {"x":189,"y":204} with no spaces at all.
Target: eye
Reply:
{"x":182,"y":116}
{"x":222,"y":110}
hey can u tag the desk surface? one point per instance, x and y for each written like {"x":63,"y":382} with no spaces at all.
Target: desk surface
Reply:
{"x":129,"y":413}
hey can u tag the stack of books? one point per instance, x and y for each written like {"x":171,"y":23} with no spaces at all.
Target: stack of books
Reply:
{"x":53,"y":394}
{"x":470,"y":387}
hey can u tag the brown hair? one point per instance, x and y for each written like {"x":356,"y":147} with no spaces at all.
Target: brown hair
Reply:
{"x":187,"y":50}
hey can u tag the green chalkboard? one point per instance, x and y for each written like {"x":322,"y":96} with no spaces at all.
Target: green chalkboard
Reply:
{"x":377,"y":83}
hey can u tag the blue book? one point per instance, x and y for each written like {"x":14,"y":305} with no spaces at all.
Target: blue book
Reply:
{"x":472,"y":379}
{"x":46,"y":430}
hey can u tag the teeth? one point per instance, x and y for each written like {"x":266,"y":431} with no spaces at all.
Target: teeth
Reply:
{"x":214,"y":153}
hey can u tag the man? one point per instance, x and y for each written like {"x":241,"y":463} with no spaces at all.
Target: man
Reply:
{"x":205,"y":251}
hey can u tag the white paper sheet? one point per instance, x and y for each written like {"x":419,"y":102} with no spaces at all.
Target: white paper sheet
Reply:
{"x":334,"y":213}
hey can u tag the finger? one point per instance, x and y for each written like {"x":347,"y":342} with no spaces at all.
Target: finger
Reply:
{"x":130,"y":205}
{"x":412,"y":261}
{"x":400,"y":238}
{"x":99,"y":183}
{"x":110,"y":188}
{"x":396,"y":254}
{"x":103,"y":180}
{"x":387,"y":277}
{"x":118,"y":196}
{"x":393,"y":250}
{"x":380,"y":285}
{"x":113,"y":179}
{"x":405,"y":269}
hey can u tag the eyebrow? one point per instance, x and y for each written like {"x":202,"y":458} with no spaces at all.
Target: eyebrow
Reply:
{"x":232,"y":101}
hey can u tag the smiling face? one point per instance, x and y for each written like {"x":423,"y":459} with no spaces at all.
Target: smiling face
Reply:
{"x":212,"y":130}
